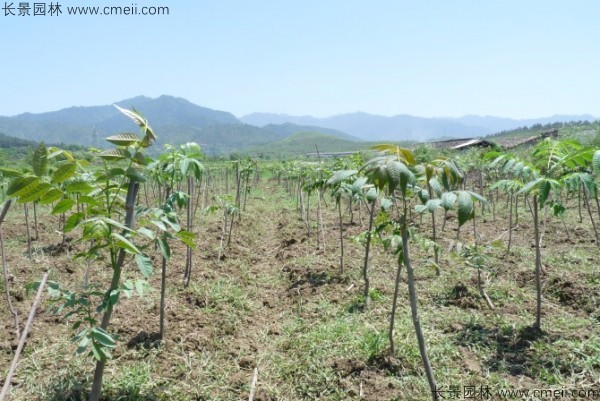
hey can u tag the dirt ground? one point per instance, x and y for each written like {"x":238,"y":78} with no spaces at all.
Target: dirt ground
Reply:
{"x":278,"y":303}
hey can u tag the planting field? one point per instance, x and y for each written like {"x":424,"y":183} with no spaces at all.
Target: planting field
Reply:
{"x":277,"y":303}
{"x":267,"y":307}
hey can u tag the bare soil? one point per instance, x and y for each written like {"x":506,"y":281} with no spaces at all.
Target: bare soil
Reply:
{"x":273,"y":289}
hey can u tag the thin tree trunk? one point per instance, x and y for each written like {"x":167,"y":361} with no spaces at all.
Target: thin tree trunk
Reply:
{"x":320,"y":219}
{"x":322,"y":194}
{"x":301,"y":198}
{"x":189,"y":226}
{"x":129,"y":215}
{"x":430,"y":191}
{"x":360,"y":220}
{"x":35,"y":222}
{"x":206,"y":186}
{"x":480,"y":285}
{"x":529,"y":205}
{"x":224,"y":228}
{"x":394,"y":306}
{"x":26,"y":208}
{"x":589,"y":209}
{"x":246,"y":189}
{"x":538,"y":266}
{"x":163,"y":286}
{"x":238,"y":193}
{"x":308,"y":214}
{"x":510,"y":226}
{"x":146,"y":195}
{"x":544,"y":224}
{"x":412,"y":291}
{"x":365,"y":271}
{"x":230,"y":230}
{"x":304,"y":214}
{"x":296,"y":194}
{"x":597,"y":201}
{"x":159,"y":188}
{"x":579,"y":203}
{"x":88,"y":268}
{"x":481,"y":191}
{"x":63,"y":221}
{"x":339,"y":208}
{"x":198,"y":190}
{"x":445,"y":217}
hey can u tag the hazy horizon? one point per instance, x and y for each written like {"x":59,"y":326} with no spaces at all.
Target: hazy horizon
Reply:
{"x":303,"y":115}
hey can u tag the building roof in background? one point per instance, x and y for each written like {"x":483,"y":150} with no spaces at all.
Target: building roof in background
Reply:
{"x":505,"y":143}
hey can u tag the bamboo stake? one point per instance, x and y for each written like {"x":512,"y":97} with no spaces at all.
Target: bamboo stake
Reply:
{"x":15,"y":360}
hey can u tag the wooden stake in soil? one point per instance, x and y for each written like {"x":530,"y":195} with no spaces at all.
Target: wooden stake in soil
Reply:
{"x":15,"y":361}
{"x":5,"y":270}
{"x":253,"y":385}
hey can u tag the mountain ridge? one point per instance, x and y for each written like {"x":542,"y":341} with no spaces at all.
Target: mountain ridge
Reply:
{"x":368,"y":126}
{"x":177,"y":120}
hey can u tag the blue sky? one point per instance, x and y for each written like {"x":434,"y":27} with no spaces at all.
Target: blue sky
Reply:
{"x":505,"y":58}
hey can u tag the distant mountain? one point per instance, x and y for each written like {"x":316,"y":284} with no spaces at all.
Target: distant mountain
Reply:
{"x":175,"y":121}
{"x":304,"y":143}
{"x":497,"y":124}
{"x":262,"y":119}
{"x":168,"y":110}
{"x":288,"y":129}
{"x":371,"y":127}
{"x":8,"y":142}
{"x":78,"y":124}
{"x":401,"y":127}
{"x":221,"y":139}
